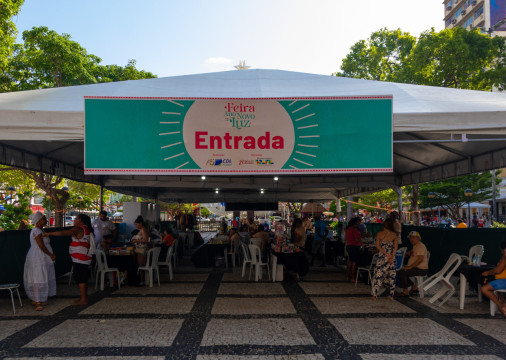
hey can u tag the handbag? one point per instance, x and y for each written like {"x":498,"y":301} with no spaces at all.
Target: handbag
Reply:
{"x":140,"y":248}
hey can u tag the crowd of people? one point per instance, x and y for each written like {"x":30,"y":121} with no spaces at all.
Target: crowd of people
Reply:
{"x":310,"y":235}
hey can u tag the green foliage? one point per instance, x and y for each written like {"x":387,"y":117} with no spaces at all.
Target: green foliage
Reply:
{"x":333,"y":207}
{"x":48,"y":59}
{"x":381,"y":57}
{"x":380,"y":199}
{"x":8,"y":33}
{"x":204,"y":211}
{"x":90,"y":192}
{"x":457,"y":58}
{"x":449,"y":193}
{"x":498,"y":225}
{"x":10,"y":176}
{"x":15,"y":211}
{"x":109,"y":73}
{"x":454,"y":57}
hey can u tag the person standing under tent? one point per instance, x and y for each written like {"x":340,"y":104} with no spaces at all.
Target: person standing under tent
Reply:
{"x":103,"y":226}
{"x":39,"y":276}
{"x":79,"y":252}
{"x":384,"y":273}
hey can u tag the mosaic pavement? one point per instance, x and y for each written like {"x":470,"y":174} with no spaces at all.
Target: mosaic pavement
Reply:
{"x":218,"y":315}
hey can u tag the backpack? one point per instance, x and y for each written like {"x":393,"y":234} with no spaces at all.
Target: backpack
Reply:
{"x":93,"y":247}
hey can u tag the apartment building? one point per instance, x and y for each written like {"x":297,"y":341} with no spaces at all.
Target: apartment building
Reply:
{"x":487,"y":15}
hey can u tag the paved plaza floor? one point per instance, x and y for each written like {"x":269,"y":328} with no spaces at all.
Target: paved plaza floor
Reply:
{"x":218,"y":315}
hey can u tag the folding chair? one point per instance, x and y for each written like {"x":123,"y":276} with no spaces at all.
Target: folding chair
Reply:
{"x":369,"y":269}
{"x":443,"y":277}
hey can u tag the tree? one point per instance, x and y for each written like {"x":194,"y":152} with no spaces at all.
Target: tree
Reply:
{"x":109,"y":73}
{"x":381,"y":57}
{"x":8,"y":33}
{"x":457,"y":58}
{"x":47,"y":59}
{"x":15,"y":210}
{"x":90,"y":192}
{"x":449,"y":194}
{"x":52,"y":186}
{"x":454,"y":57}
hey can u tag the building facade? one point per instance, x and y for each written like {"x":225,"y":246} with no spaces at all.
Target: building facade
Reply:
{"x":487,"y":15}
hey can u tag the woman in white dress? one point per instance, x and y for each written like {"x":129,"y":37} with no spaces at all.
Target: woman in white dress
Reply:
{"x":39,"y":276}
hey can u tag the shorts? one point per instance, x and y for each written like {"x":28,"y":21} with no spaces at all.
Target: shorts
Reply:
{"x":81,"y":273}
{"x":318,"y":246}
{"x":353,"y":252}
{"x":499,"y":284}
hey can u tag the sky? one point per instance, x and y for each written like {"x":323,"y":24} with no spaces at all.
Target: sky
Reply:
{"x":169,"y":37}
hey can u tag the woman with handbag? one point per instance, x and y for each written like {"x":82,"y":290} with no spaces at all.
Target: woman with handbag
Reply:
{"x":141,"y":241}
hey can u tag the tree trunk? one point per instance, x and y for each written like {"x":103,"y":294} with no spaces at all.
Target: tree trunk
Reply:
{"x":48,"y":184}
{"x":414,"y":205}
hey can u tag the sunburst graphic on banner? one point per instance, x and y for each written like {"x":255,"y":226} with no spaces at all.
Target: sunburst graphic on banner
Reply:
{"x":307,"y":134}
{"x":171,"y":121}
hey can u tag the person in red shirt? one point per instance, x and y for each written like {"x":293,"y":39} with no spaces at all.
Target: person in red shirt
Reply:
{"x":353,"y":244}
{"x":168,"y":239}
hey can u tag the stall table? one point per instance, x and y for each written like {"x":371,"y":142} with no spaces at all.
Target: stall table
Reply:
{"x":124,"y":262}
{"x":294,"y":261}
{"x":471,"y":274}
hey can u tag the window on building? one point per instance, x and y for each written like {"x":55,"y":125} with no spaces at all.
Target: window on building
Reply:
{"x":478,"y":12}
{"x":458,"y":12}
{"x":449,"y":4}
{"x":468,"y":21}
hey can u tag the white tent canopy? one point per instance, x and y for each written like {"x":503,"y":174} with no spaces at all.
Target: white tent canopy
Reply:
{"x":438,"y":133}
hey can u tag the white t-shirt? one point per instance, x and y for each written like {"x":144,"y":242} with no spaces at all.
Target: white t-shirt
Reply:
{"x":100,"y":229}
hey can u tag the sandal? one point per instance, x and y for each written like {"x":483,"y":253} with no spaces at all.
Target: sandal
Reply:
{"x":411,"y":292}
{"x":38,"y":307}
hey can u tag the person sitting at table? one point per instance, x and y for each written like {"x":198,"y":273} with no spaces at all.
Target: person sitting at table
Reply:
{"x":262,"y":234}
{"x":499,"y":273}
{"x":106,"y":243}
{"x":353,"y":244}
{"x":384,"y":273}
{"x":418,"y":265}
{"x":252,"y":227}
{"x":298,"y":233}
{"x":168,"y":238}
{"x":140,"y":241}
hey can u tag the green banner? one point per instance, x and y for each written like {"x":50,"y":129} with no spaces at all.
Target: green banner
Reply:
{"x":238,"y":136}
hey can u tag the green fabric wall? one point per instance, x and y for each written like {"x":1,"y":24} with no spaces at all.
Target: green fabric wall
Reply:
{"x":14,"y":245}
{"x":442,"y":242}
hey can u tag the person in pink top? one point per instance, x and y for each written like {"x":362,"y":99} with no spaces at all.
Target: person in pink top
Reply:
{"x":353,"y":244}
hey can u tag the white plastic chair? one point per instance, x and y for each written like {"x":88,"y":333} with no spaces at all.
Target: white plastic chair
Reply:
{"x":12,"y":288}
{"x":246,"y":260}
{"x":476,"y":250}
{"x":256,"y":241}
{"x":443,"y":277}
{"x":168,"y":260}
{"x":233,"y":253}
{"x":368,"y":269}
{"x":103,"y":268}
{"x":151,"y":265}
{"x":400,"y":265}
{"x":256,"y":260}
{"x":493,"y":306}
{"x":420,"y":279}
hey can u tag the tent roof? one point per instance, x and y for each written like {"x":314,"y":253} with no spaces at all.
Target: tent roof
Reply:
{"x":44,"y":129}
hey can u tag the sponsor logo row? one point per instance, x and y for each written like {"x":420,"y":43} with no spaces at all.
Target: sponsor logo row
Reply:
{"x":228,"y":162}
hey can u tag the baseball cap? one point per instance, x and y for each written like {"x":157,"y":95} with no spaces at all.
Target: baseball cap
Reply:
{"x":414,"y":233}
